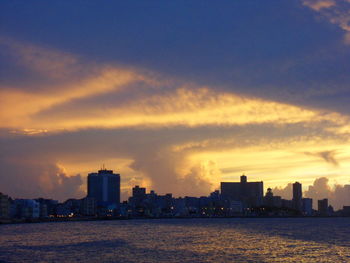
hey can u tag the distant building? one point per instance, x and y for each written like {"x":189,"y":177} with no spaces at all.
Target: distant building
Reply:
{"x":48,"y":207}
{"x":88,"y":206}
{"x":287,"y":204}
{"x":249,"y":193}
{"x":323,"y":207}
{"x":346,"y":211}
{"x":4,"y":206}
{"x":236,"y":208}
{"x":272,"y":201}
{"x":25,"y":208}
{"x":307,"y":206}
{"x":104,"y":186}
{"x":297,"y":196}
{"x":138,"y":197}
{"x":139,"y":192}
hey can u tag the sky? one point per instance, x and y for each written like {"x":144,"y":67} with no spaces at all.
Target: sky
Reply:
{"x":176,"y":96}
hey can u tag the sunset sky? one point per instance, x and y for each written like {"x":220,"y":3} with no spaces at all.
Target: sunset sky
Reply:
{"x":175,"y":96}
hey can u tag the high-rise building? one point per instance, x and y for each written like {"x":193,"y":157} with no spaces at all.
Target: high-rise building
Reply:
{"x":104,"y":186}
{"x":323,"y":207}
{"x":249,"y":193}
{"x":297,"y":196}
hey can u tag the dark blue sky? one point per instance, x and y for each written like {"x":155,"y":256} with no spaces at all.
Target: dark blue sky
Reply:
{"x":277,"y":49}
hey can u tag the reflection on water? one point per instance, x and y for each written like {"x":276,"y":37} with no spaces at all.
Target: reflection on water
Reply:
{"x":179,"y":240}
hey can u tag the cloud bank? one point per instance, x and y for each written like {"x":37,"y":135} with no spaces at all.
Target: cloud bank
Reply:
{"x":167,"y":134}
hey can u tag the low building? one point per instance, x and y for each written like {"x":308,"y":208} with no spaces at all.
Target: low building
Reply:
{"x":25,"y":208}
{"x":88,"y":206}
{"x":4,"y":206}
{"x":48,"y":207}
{"x":307,"y":206}
{"x":249,"y":193}
{"x":346,"y":211}
{"x":272,"y":201}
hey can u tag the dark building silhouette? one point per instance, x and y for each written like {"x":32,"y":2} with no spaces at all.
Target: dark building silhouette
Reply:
{"x":272,"y":201}
{"x":346,"y":211}
{"x":249,"y":193}
{"x":4,"y":206}
{"x":323,"y":207}
{"x":307,"y":206}
{"x":297,"y":196}
{"x":138,"y":192}
{"x":88,"y":206}
{"x":138,"y":196}
{"x":104,"y":186}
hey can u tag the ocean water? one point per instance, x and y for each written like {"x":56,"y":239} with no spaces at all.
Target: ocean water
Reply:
{"x":179,"y":240}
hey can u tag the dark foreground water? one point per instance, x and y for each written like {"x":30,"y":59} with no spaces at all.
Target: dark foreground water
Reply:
{"x":179,"y":240}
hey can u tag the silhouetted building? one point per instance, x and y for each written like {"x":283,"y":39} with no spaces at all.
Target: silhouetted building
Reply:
{"x":268,"y":199}
{"x":104,"y":186}
{"x":297,"y":196}
{"x":346,"y":211}
{"x":138,"y":196}
{"x":272,"y":201}
{"x":25,"y":208}
{"x":323,"y":207}
{"x":88,"y":206}
{"x":249,"y":193}
{"x":4,"y":206}
{"x":287,"y":204}
{"x":139,"y":192}
{"x":47,"y":204}
{"x":307,"y":206}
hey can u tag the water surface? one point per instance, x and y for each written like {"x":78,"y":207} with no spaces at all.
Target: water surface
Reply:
{"x":179,"y":240}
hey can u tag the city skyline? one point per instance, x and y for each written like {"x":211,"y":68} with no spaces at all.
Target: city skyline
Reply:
{"x":234,"y":199}
{"x":176,"y":97}
{"x":104,"y":184}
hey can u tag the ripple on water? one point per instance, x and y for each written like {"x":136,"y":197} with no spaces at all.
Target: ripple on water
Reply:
{"x":179,"y":240}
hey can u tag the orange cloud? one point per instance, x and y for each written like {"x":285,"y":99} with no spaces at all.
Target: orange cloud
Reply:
{"x":319,"y":4}
{"x":154,"y":102}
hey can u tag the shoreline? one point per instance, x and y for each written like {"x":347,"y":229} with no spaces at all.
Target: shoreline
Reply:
{"x":82,"y":219}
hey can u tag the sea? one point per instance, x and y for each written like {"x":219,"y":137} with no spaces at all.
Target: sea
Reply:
{"x":179,"y":240}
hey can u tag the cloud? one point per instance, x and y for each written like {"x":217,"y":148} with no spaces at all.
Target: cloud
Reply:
{"x":25,"y":178}
{"x":109,"y":96}
{"x":328,"y":156}
{"x":285,"y":192}
{"x":336,"y":12}
{"x":176,"y":136}
{"x":319,"y":4}
{"x":338,"y":196}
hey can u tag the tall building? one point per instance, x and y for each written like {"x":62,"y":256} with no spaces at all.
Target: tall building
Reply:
{"x":297,"y":196}
{"x":323,"y":207}
{"x":104,"y":186}
{"x":249,"y":193}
